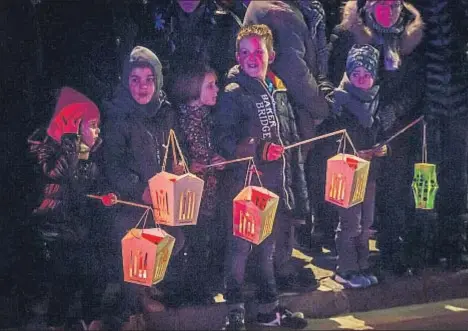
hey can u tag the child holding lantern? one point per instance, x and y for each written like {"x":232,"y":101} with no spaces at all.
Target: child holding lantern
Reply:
{"x":254,"y":118}
{"x":67,"y":221}
{"x":355,"y":104}
{"x":195,"y":92}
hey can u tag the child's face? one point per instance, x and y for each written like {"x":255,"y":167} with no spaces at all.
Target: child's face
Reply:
{"x":386,"y":12}
{"x":188,"y":6}
{"x":89,"y":131}
{"x":361,"y":78}
{"x":253,"y":57}
{"x":209,"y":90}
{"x":142,"y":85}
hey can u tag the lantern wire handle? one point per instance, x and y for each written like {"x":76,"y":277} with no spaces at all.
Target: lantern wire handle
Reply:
{"x":424,"y":144}
{"x":251,"y":167}
{"x":143,"y":217}
{"x":172,"y":141}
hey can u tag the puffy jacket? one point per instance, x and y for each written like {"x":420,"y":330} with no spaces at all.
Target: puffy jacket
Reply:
{"x":297,"y":60}
{"x":177,"y":37}
{"x":64,"y":209}
{"x":135,"y":143}
{"x":247,"y":117}
{"x":446,"y":65}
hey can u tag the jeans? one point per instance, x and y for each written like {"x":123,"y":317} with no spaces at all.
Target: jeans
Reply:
{"x":353,"y":232}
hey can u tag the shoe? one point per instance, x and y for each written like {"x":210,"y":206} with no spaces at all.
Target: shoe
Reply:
{"x":352,"y":280}
{"x":235,"y":320}
{"x":282,"y":316}
{"x":370,"y":276}
{"x":303,"y":281}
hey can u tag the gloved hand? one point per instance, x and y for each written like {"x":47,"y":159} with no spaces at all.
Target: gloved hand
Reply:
{"x":273,"y":152}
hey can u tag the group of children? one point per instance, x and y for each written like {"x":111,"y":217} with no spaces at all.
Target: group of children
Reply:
{"x":253,"y":117}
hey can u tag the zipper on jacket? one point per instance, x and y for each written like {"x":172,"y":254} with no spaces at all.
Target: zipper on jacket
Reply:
{"x":283,"y":169}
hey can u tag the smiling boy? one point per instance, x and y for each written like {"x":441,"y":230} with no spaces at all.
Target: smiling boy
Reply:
{"x":254,"y":118}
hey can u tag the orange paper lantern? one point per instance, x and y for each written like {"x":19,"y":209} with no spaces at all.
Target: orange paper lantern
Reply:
{"x":254,"y":210}
{"x":176,"y":199}
{"x":346,"y":180}
{"x":146,"y":254}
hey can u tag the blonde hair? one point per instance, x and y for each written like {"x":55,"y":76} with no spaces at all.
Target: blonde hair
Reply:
{"x":257,"y":30}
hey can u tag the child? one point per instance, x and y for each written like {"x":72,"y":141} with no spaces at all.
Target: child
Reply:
{"x":195,"y":91}
{"x":138,"y":120}
{"x":67,"y":220}
{"x":254,"y":118}
{"x":356,"y":102}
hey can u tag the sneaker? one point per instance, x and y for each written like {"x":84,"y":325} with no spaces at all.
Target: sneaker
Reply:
{"x":282,"y":316}
{"x":352,"y":280}
{"x":235,"y":320}
{"x":370,"y":276}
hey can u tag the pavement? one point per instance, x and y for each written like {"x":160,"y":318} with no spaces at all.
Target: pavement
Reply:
{"x":330,"y":299}
{"x":325,"y":307}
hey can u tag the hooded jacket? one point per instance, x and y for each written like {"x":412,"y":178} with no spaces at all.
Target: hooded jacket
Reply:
{"x":248,"y":115}
{"x":401,"y":90}
{"x":297,"y":39}
{"x":65,"y":178}
{"x":136,"y":134}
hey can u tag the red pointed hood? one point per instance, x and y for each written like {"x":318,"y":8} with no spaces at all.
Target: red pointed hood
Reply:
{"x":69,"y":103}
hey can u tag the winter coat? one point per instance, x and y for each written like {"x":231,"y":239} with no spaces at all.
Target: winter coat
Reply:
{"x":136,"y":135}
{"x":446,"y":63}
{"x":401,"y":91}
{"x":248,"y":116}
{"x":135,"y":144}
{"x":196,"y":125}
{"x":65,"y":178}
{"x":64,"y":208}
{"x":177,"y":37}
{"x":298,"y":56}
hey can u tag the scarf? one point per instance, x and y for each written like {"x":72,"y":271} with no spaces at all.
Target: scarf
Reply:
{"x":360,"y":103}
{"x":388,"y":38}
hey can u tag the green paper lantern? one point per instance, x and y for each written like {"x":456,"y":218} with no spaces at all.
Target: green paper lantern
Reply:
{"x":425,"y":185}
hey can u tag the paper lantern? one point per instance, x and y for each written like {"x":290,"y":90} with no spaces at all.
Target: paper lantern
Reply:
{"x":146,"y":254}
{"x":176,"y":199}
{"x":346,"y":180}
{"x":425,"y":185}
{"x":254,"y":211}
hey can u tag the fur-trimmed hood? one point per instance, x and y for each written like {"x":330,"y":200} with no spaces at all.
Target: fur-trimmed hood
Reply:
{"x":409,"y":40}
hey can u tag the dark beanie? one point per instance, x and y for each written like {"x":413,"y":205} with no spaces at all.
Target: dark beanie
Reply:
{"x":363,"y":56}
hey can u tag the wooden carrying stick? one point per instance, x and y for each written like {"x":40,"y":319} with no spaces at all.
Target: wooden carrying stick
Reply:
{"x":416,"y":121}
{"x":115,"y":200}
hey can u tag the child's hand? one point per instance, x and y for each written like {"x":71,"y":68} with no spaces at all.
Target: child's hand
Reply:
{"x":178,"y":169}
{"x":197,"y":168}
{"x":72,"y":124}
{"x":382,"y":151}
{"x":218,"y":159}
{"x":274,"y":152}
{"x":146,"y":197}
{"x":365,"y":154}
